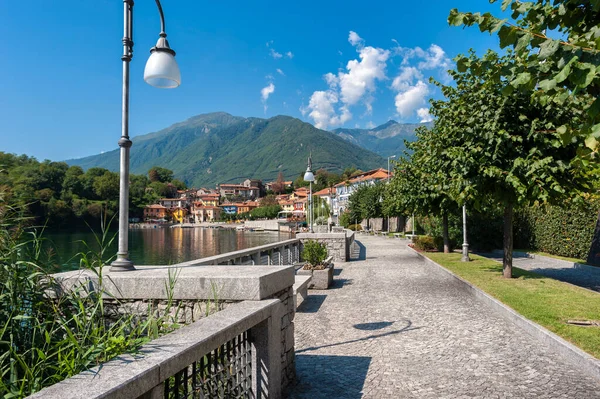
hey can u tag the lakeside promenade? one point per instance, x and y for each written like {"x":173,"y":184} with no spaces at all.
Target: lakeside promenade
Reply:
{"x":393,"y":326}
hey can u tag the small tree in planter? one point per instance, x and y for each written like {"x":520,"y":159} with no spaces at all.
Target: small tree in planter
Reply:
{"x":318,"y":264}
{"x":315,"y":254}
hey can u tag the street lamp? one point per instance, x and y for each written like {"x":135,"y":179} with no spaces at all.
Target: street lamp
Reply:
{"x":161,"y":71}
{"x":388,"y":181}
{"x":465,"y":246}
{"x":310,"y":177}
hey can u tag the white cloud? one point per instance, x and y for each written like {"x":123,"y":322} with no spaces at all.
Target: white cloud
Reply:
{"x":279,"y":71}
{"x":424,"y":114}
{"x":434,"y":58}
{"x":410,"y":81}
{"x":354,"y":39}
{"x":356,"y":84}
{"x":370,"y":125}
{"x":361,"y":76}
{"x":289,"y":54}
{"x":407,"y":76}
{"x":322,"y":111}
{"x":275,"y":54}
{"x":265,"y":93}
{"x":408,"y":100}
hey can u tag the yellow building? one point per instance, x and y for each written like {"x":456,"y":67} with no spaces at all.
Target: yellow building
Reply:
{"x":179,"y":214}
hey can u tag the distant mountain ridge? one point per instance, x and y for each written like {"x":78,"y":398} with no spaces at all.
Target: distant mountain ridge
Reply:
{"x":385,"y":140}
{"x":214,"y":148}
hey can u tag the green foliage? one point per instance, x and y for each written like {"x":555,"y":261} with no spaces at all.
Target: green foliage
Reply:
{"x":558,"y":230}
{"x":366,"y":202}
{"x":58,"y":195}
{"x":355,"y":227}
{"x":158,"y":174}
{"x":565,"y":68}
{"x":425,"y":243}
{"x":432,"y":226}
{"x":265,"y":212}
{"x":213,"y":148}
{"x":345,"y":220}
{"x":46,"y":339}
{"x":314,"y":253}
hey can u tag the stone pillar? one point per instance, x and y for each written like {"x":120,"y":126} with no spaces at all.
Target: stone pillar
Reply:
{"x":266,"y":359}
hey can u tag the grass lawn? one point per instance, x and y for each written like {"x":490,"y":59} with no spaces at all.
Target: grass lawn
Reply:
{"x":543,"y":300}
{"x":574,"y":260}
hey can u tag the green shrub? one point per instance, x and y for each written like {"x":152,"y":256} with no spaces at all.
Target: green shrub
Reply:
{"x":564,"y":231}
{"x":424,"y":243}
{"x":314,"y":253}
{"x":355,"y":227}
{"x":345,"y":219}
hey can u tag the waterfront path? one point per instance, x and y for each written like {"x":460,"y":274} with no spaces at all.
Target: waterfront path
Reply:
{"x":574,"y":273}
{"x":394,"y":326}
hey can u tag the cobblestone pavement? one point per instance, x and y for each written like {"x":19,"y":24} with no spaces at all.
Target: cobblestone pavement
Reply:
{"x":583,"y":276}
{"x":394,"y":326}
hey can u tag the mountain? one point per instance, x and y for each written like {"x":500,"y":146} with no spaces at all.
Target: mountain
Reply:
{"x":220,"y":148}
{"x":385,"y":140}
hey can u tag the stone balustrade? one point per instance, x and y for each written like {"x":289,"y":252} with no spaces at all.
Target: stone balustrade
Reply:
{"x":285,"y":252}
{"x":255,"y":331}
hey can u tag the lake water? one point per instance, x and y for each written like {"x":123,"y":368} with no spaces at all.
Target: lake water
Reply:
{"x":163,"y":246}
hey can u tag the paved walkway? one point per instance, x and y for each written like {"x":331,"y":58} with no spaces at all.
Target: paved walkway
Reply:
{"x":581,"y":275}
{"x":395,"y":327}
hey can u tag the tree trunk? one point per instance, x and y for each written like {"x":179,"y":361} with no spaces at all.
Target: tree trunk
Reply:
{"x":445,"y":233}
{"x":508,"y":241}
{"x":594,"y":254}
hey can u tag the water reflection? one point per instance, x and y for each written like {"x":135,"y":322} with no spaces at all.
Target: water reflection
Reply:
{"x":165,"y":246}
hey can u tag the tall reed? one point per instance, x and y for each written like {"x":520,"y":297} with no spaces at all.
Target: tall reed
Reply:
{"x":46,"y":338}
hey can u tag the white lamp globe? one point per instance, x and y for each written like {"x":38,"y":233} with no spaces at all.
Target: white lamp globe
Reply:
{"x":308,"y":176}
{"x":162,"y":70}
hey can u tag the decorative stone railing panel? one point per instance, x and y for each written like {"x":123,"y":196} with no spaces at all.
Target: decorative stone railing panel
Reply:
{"x":173,"y":363}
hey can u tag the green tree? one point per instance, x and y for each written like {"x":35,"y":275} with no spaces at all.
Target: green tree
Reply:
{"x":500,"y":147}
{"x":159,"y":174}
{"x":106,"y":186}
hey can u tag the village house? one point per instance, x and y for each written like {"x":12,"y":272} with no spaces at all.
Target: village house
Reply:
{"x":155,"y":212}
{"x":345,"y":189}
{"x":172,"y":203}
{"x":179,"y":215}
{"x":205,"y":213}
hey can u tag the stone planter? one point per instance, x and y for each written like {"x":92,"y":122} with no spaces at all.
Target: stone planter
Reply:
{"x":321,"y":279}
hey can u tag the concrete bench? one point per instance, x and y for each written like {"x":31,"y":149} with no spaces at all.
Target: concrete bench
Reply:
{"x":301,"y":289}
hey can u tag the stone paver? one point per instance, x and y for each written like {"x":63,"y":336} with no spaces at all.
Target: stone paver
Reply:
{"x":583,"y":276}
{"x":394,"y":326}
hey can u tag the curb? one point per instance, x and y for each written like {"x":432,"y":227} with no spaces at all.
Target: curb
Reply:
{"x":587,"y":362}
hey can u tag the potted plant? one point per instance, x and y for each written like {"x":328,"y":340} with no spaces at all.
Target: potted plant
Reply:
{"x":317,"y":264}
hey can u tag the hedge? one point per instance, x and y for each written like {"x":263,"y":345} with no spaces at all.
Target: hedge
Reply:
{"x":564,"y":231}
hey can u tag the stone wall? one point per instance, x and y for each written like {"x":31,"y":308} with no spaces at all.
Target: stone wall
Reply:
{"x":396,"y":224}
{"x":176,"y":311}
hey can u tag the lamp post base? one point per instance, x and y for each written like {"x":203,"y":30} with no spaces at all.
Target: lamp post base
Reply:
{"x":465,"y":253}
{"x":121,"y":265}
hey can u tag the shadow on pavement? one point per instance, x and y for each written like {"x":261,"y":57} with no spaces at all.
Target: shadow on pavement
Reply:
{"x":311,"y":304}
{"x":373,"y":326}
{"x":340,"y":283}
{"x":406,"y":328}
{"x":359,"y":251}
{"x":330,"y":376}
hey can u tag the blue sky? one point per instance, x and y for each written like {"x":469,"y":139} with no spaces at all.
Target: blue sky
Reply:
{"x":330,"y":63}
